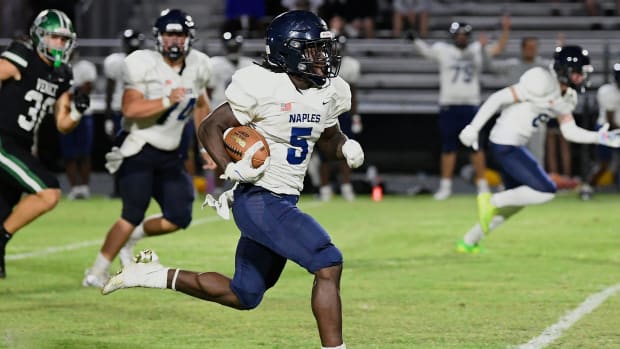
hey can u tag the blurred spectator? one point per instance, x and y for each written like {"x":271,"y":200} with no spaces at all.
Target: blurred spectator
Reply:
{"x":307,"y":5}
{"x":410,"y":10}
{"x":76,"y":146}
{"x":113,"y":71}
{"x":334,"y":13}
{"x":350,"y":124}
{"x":245,"y":17}
{"x":460,"y":66}
{"x":361,"y":15}
{"x":608,"y":97}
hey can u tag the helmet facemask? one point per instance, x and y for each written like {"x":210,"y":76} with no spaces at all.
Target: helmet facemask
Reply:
{"x":319,"y":59}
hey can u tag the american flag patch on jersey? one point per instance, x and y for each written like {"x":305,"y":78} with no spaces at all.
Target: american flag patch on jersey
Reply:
{"x":285,"y":106}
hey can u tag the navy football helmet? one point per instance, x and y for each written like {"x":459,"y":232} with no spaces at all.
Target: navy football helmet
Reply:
{"x":460,"y":28}
{"x":232,"y":44}
{"x":571,"y":59}
{"x":299,"y":43}
{"x":174,"y":21}
{"x":132,"y":40}
{"x":617,"y":74}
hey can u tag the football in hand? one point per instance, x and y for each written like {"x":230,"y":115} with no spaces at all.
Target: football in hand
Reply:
{"x":238,"y":140}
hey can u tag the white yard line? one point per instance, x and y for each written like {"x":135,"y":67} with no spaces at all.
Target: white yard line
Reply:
{"x":78,"y":245}
{"x":555,"y":331}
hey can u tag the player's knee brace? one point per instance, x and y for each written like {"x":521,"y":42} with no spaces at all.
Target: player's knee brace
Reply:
{"x":324,"y":258}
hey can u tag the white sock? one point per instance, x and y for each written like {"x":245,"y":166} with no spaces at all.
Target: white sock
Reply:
{"x":520,"y":196}
{"x":157,"y":279}
{"x":138,"y":232}
{"x":476,"y":234}
{"x":483,"y":186}
{"x":101,"y":265}
{"x":445,"y":183}
{"x":341,"y":346}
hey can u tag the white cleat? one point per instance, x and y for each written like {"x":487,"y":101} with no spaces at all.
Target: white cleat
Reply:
{"x":146,"y":271}
{"x":92,"y":279}
{"x":346,"y":190}
{"x":325,"y":193}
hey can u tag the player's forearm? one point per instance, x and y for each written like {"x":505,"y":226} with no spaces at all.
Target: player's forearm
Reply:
{"x":145,"y":108}
{"x":211,"y":130}
{"x":64,"y":122}
{"x":423,"y":48}
{"x":576,"y":134}
{"x":491,"y":106}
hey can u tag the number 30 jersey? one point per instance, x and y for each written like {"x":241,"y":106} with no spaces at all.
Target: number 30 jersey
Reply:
{"x":291,"y":120}
{"x":25,"y":102}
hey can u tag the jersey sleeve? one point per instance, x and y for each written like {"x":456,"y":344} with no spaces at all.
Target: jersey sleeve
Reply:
{"x":341,"y":101}
{"x":135,"y":68}
{"x":17,"y":53}
{"x":113,"y":67}
{"x":242,"y":94}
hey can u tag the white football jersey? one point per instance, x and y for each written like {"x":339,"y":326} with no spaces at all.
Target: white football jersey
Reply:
{"x":540,"y":100}
{"x":113,"y":69}
{"x":608,"y":97}
{"x":291,"y":120}
{"x":223,"y":70}
{"x":350,"y":70}
{"x":147,"y":72}
{"x":459,"y":71}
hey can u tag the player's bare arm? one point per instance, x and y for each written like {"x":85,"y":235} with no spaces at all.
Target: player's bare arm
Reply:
{"x":135,"y":106}
{"x":64,"y":122}
{"x":331,"y":142}
{"x":201,"y":111}
{"x":8,"y":70}
{"x":211,"y":130}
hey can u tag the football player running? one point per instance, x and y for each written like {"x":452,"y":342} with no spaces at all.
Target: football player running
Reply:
{"x":294,"y":99}
{"x":540,"y":95}
{"x":35,"y":82}
{"x":164,"y":88}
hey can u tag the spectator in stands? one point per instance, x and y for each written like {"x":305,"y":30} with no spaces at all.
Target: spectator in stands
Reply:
{"x":410,"y":10}
{"x":513,"y":68}
{"x":306,"y":5}
{"x":350,"y":124}
{"x":460,"y":66}
{"x":244,"y":16}
{"x":113,"y":71}
{"x":608,"y":97}
{"x":333,"y":11}
{"x":361,"y":15}
{"x":76,"y":146}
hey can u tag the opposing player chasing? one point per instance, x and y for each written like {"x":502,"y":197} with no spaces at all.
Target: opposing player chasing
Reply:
{"x":540,"y":95}
{"x":164,"y":88}
{"x":294,"y":99}
{"x":35,"y":82}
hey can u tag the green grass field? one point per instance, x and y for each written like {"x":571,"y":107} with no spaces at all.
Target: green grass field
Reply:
{"x":403,"y":285}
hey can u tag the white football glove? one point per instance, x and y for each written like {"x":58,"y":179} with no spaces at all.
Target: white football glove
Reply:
{"x":469,"y":137}
{"x":609,"y":138}
{"x":242,"y":170}
{"x":221,"y":204}
{"x":114,"y":160}
{"x":353,"y":153}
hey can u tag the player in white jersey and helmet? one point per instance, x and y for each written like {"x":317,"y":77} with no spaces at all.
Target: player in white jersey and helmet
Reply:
{"x":294,"y":100}
{"x":460,"y":67}
{"x":164,"y":89}
{"x":608,"y":98}
{"x":540,"y":95}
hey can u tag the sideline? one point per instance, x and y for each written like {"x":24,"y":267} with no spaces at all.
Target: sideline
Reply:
{"x":555,"y":331}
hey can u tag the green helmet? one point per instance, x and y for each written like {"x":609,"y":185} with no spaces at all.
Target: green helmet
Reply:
{"x":53,"y":22}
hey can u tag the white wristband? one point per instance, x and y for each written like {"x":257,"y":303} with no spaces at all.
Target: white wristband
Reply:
{"x":202,"y":150}
{"x":74,"y":114}
{"x":165,"y":101}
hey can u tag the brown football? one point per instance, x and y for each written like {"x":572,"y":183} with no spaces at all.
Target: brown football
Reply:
{"x":238,"y":140}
